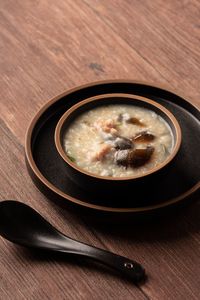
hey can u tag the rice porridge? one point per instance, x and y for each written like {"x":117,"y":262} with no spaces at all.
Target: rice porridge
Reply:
{"x":118,"y":140}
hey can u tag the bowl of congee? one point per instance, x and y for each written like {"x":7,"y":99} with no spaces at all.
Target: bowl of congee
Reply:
{"x":117,"y":142}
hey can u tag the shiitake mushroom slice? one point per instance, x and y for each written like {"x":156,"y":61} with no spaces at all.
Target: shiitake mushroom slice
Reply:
{"x":128,"y":119}
{"x":135,"y":121}
{"x":144,"y":137}
{"x":133,"y":158}
{"x":139,"y":157}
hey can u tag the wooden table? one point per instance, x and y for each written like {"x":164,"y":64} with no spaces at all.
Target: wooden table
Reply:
{"x":49,"y":46}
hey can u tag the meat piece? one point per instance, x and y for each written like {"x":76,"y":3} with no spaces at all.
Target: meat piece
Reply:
{"x":122,"y":143}
{"x":107,"y":136}
{"x":100,"y":155}
{"x":108,"y":126}
{"x":144,"y":137}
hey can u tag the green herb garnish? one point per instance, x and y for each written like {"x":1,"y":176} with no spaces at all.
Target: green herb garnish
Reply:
{"x":71,"y":157}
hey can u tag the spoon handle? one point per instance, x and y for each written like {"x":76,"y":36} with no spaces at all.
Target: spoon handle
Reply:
{"x":125,"y":266}
{"x":22,"y":225}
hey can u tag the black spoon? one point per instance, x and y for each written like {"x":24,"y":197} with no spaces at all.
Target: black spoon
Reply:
{"x":21,"y":224}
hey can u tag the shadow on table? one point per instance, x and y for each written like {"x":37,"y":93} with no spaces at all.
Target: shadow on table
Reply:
{"x":174,"y":224}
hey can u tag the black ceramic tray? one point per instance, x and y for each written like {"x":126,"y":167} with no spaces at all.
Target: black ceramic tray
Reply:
{"x":180,"y":185}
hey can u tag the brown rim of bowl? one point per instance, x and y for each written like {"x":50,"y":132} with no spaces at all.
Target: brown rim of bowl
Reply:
{"x":61,"y":122}
{"x":52,"y":188}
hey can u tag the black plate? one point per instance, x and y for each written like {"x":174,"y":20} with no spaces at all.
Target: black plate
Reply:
{"x":180,"y":183}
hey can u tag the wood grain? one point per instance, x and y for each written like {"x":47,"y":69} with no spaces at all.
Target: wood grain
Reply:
{"x":47,"y":47}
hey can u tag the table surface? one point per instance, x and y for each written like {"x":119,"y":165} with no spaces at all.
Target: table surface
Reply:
{"x":49,"y":46}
